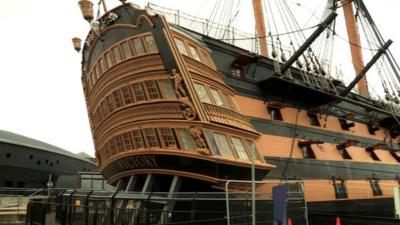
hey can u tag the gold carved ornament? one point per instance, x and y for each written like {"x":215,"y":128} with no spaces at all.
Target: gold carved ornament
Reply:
{"x":197,"y":134}
{"x":188,"y":110}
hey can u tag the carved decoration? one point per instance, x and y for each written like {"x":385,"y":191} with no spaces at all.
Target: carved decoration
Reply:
{"x":198,"y":136}
{"x":188,"y":111}
{"x":179,"y":86}
{"x":108,"y":20}
{"x":204,"y":151}
{"x":146,"y":18}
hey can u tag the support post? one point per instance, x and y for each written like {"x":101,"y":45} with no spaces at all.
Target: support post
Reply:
{"x":355,"y":44}
{"x":362,"y":73}
{"x":308,"y":42}
{"x":260,"y":26}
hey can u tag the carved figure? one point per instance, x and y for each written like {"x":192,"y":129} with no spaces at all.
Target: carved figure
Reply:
{"x":197,"y":135}
{"x":188,"y":112}
{"x":180,"y":89}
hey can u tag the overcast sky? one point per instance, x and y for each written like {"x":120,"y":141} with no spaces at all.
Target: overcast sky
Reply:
{"x":40,"y":88}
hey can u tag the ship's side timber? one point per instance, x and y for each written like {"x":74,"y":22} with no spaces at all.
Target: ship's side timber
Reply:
{"x":146,"y":109}
{"x":354,"y":154}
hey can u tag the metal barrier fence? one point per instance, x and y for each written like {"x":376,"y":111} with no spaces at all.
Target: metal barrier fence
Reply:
{"x":77,"y":207}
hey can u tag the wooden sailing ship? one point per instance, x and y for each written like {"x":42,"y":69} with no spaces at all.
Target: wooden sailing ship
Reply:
{"x":170,"y":105}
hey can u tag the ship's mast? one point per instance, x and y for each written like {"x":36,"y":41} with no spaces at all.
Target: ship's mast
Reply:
{"x":355,"y":44}
{"x":260,"y":26}
{"x":104,"y":6}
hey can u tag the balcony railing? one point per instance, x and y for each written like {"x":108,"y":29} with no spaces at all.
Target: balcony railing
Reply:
{"x":227,"y":117}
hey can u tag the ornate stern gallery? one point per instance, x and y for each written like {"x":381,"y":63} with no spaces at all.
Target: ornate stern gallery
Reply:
{"x":158,"y":107}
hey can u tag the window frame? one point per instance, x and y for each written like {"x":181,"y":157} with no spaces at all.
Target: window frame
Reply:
{"x":130,"y":141}
{"x":249,"y":149}
{"x":232,"y":152}
{"x":119,"y":143}
{"x":218,"y":94}
{"x":184,"y":45}
{"x":126,"y":93}
{"x":155,"y":87}
{"x":240,"y":152}
{"x":205,"y":57}
{"x":211,"y":100}
{"x":117,"y":99}
{"x":148,"y":46}
{"x":140,"y":84}
{"x":190,"y":47}
{"x":124,"y":56}
{"x":110,"y":104}
{"x":143,"y":47}
{"x":182,"y":142}
{"x":164,"y":140}
{"x":162,"y":90}
{"x":155,"y":135}
{"x":134,"y":138}
{"x":114,"y":49}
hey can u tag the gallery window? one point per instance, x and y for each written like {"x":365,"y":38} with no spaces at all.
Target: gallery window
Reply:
{"x":117,"y":99}
{"x":224,"y":148}
{"x":150,"y":44}
{"x":138,"y":138}
{"x":127,"y":140}
{"x":202,"y":92}
{"x":126,"y":49}
{"x":194,"y":53}
{"x":205,"y":58}
{"x":152,"y":89}
{"x":109,"y":59}
{"x":137,"y":43}
{"x":139,"y":92}
{"x":181,"y":47}
{"x":110,"y":104}
{"x":252,"y":148}
{"x":186,"y":139}
{"x":239,"y":147}
{"x":217,"y":97}
{"x":151,"y":137}
{"x":168,"y":137}
{"x":98,"y":73}
{"x":167,"y":89}
{"x":103,"y":64}
{"x":229,"y":101}
{"x":127,"y":95}
{"x":113,"y":147}
{"x":117,"y":54}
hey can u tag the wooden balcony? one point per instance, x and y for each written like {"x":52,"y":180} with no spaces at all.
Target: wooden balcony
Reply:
{"x":203,"y":69}
{"x":228,"y":117}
